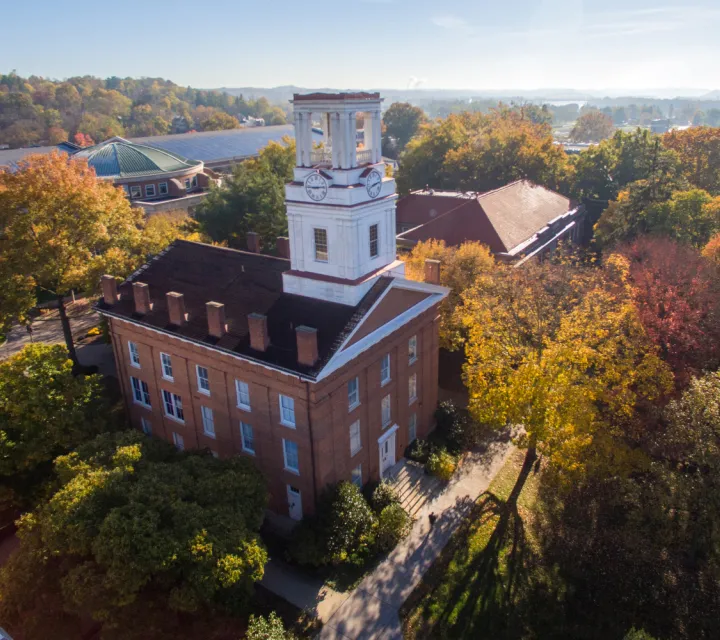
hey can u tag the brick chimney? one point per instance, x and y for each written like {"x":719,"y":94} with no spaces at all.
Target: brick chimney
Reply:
{"x":253,"y":242}
{"x":432,"y":271}
{"x":283,"y":247}
{"x":141,"y":295}
{"x":216,"y":319}
{"x":307,"y":345}
{"x":259,"y":337}
{"x":109,"y":289}
{"x":176,"y":308}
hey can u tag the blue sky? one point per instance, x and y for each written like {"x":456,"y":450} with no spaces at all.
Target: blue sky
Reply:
{"x":371,"y":43}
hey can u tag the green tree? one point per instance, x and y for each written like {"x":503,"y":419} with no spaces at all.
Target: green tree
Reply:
{"x":252,"y":199}
{"x":592,"y":126}
{"x":400,"y":123}
{"x":60,"y":227}
{"x":699,"y":151}
{"x":45,"y":411}
{"x":139,"y":536}
{"x":219,"y":121}
{"x":270,"y":628}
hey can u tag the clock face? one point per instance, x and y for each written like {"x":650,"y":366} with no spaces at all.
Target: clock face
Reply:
{"x":316,"y":187}
{"x":374,"y":184}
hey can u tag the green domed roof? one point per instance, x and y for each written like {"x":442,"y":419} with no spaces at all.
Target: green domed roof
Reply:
{"x":119,"y":158}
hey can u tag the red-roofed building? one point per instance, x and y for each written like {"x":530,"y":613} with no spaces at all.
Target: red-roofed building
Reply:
{"x":517,"y":221}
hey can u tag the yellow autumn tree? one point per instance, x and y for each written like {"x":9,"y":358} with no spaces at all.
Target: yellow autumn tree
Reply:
{"x":460,"y":268}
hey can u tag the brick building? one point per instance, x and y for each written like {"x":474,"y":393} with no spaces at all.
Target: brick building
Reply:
{"x":323,"y":364}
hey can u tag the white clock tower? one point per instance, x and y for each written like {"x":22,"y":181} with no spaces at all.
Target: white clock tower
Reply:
{"x":340,"y":205}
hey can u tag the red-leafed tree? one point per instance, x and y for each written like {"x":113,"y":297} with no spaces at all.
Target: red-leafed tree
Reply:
{"x":83,"y":139}
{"x":677,"y":293}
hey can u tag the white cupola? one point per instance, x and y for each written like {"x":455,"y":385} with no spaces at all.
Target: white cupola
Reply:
{"x":340,"y":205}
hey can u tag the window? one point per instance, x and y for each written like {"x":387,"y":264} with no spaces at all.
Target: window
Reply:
{"x":163,"y":188}
{"x":150,"y":190}
{"x":355,"y":441}
{"x":353,"y":393}
{"x":208,"y":421}
{"x":412,"y":349}
{"x":194,"y":182}
{"x":290,"y":452}
{"x":385,"y":369}
{"x":412,"y":388}
{"x":243,"y":395}
{"x":357,"y":476}
{"x":126,"y":190}
{"x":214,"y":453}
{"x":166,"y":364}
{"x":374,"y":241}
{"x":141,"y":393}
{"x":173,"y":406}
{"x":135,"y":192}
{"x":179,"y":441}
{"x":287,"y":411}
{"x":246,"y":435}
{"x":386,"y":411}
{"x":321,"y":245}
{"x":412,"y":428}
{"x":187,"y":184}
{"x":134,"y":354}
{"x":146,"y":426}
{"x":203,"y":380}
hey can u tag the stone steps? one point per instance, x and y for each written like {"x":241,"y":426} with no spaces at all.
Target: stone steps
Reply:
{"x":413,"y":486}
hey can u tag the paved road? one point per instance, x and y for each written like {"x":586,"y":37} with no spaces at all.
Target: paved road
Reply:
{"x":371,"y":611}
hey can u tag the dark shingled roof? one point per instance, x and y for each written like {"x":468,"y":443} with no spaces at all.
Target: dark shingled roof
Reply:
{"x":245,"y":283}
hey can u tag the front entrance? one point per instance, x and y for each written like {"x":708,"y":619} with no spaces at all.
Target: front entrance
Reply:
{"x":294,"y":503}
{"x":387,"y":451}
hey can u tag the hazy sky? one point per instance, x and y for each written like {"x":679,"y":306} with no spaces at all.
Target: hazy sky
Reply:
{"x":476,"y":44}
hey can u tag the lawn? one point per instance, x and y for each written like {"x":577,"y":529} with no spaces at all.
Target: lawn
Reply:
{"x":490,"y":581}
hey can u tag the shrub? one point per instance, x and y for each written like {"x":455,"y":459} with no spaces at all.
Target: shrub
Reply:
{"x":441,"y":464}
{"x":419,"y":451}
{"x":393,"y":526}
{"x":94,"y":331}
{"x":270,"y":628}
{"x":383,"y":496}
{"x":309,"y":545}
{"x":459,"y":431}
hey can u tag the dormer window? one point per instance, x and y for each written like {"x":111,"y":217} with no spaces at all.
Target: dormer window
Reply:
{"x":321,"y":244}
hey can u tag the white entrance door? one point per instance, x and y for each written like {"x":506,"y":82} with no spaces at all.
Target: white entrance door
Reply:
{"x":387,"y":454}
{"x":294,"y":503}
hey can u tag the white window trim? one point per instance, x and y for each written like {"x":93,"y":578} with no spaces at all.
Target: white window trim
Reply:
{"x":160,"y":188}
{"x":169,"y":415}
{"x":142,"y":403}
{"x":147,"y":191}
{"x":188,"y":184}
{"x":162,"y":367}
{"x":176,"y":437}
{"x":291,"y":425}
{"x":352,"y":475}
{"x":242,"y":439}
{"x":205,"y":392}
{"x":327,"y":245}
{"x":414,"y":398}
{"x":377,"y":241}
{"x":385,"y":423}
{"x":412,"y":359}
{"x":389,"y":370}
{"x":356,"y":404}
{"x":285,"y":462}
{"x":146,"y":426}
{"x":240,"y":405}
{"x":132,"y":344}
{"x":137,"y":191}
{"x":203,"y":414}
{"x":359,"y":449}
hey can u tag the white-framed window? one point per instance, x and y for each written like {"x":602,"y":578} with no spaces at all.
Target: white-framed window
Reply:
{"x":135,"y":191}
{"x":385,"y":369}
{"x":355,"y":439}
{"x":242,"y":391}
{"x":203,"y":379}
{"x":214,"y":453}
{"x":385,"y":411}
{"x":412,"y":428}
{"x":353,"y":393}
{"x":150,"y":190}
{"x":208,"y":421}
{"x":173,"y":406}
{"x":134,"y":354}
{"x":126,"y":189}
{"x":194,"y":182}
{"x":290,"y":453}
{"x":412,"y":349}
{"x":163,"y":188}
{"x":141,"y":393}
{"x":357,"y":476}
{"x":146,"y":426}
{"x":188,"y":184}
{"x":247,"y":438}
{"x":166,"y":366}
{"x":287,"y":411}
{"x":321,"y":244}
{"x":178,"y":441}
{"x":412,"y":388}
{"x":374,"y":248}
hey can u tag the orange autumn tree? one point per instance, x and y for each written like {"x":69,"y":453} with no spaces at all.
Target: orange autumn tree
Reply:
{"x":60,"y":229}
{"x":699,"y":151}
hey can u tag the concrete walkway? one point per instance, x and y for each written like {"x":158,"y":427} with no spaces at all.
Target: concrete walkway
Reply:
{"x":371,"y":611}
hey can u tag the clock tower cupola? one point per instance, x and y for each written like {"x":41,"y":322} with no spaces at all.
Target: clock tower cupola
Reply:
{"x":340,"y":204}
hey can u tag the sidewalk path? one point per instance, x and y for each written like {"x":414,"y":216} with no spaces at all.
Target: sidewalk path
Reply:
{"x":371,"y":611}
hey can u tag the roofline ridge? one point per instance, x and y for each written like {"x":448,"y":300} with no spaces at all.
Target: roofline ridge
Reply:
{"x":214,"y":246}
{"x":505,"y":186}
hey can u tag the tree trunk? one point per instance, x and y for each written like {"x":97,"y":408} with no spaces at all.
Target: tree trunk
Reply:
{"x":530,"y":457}
{"x":67,"y":332}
